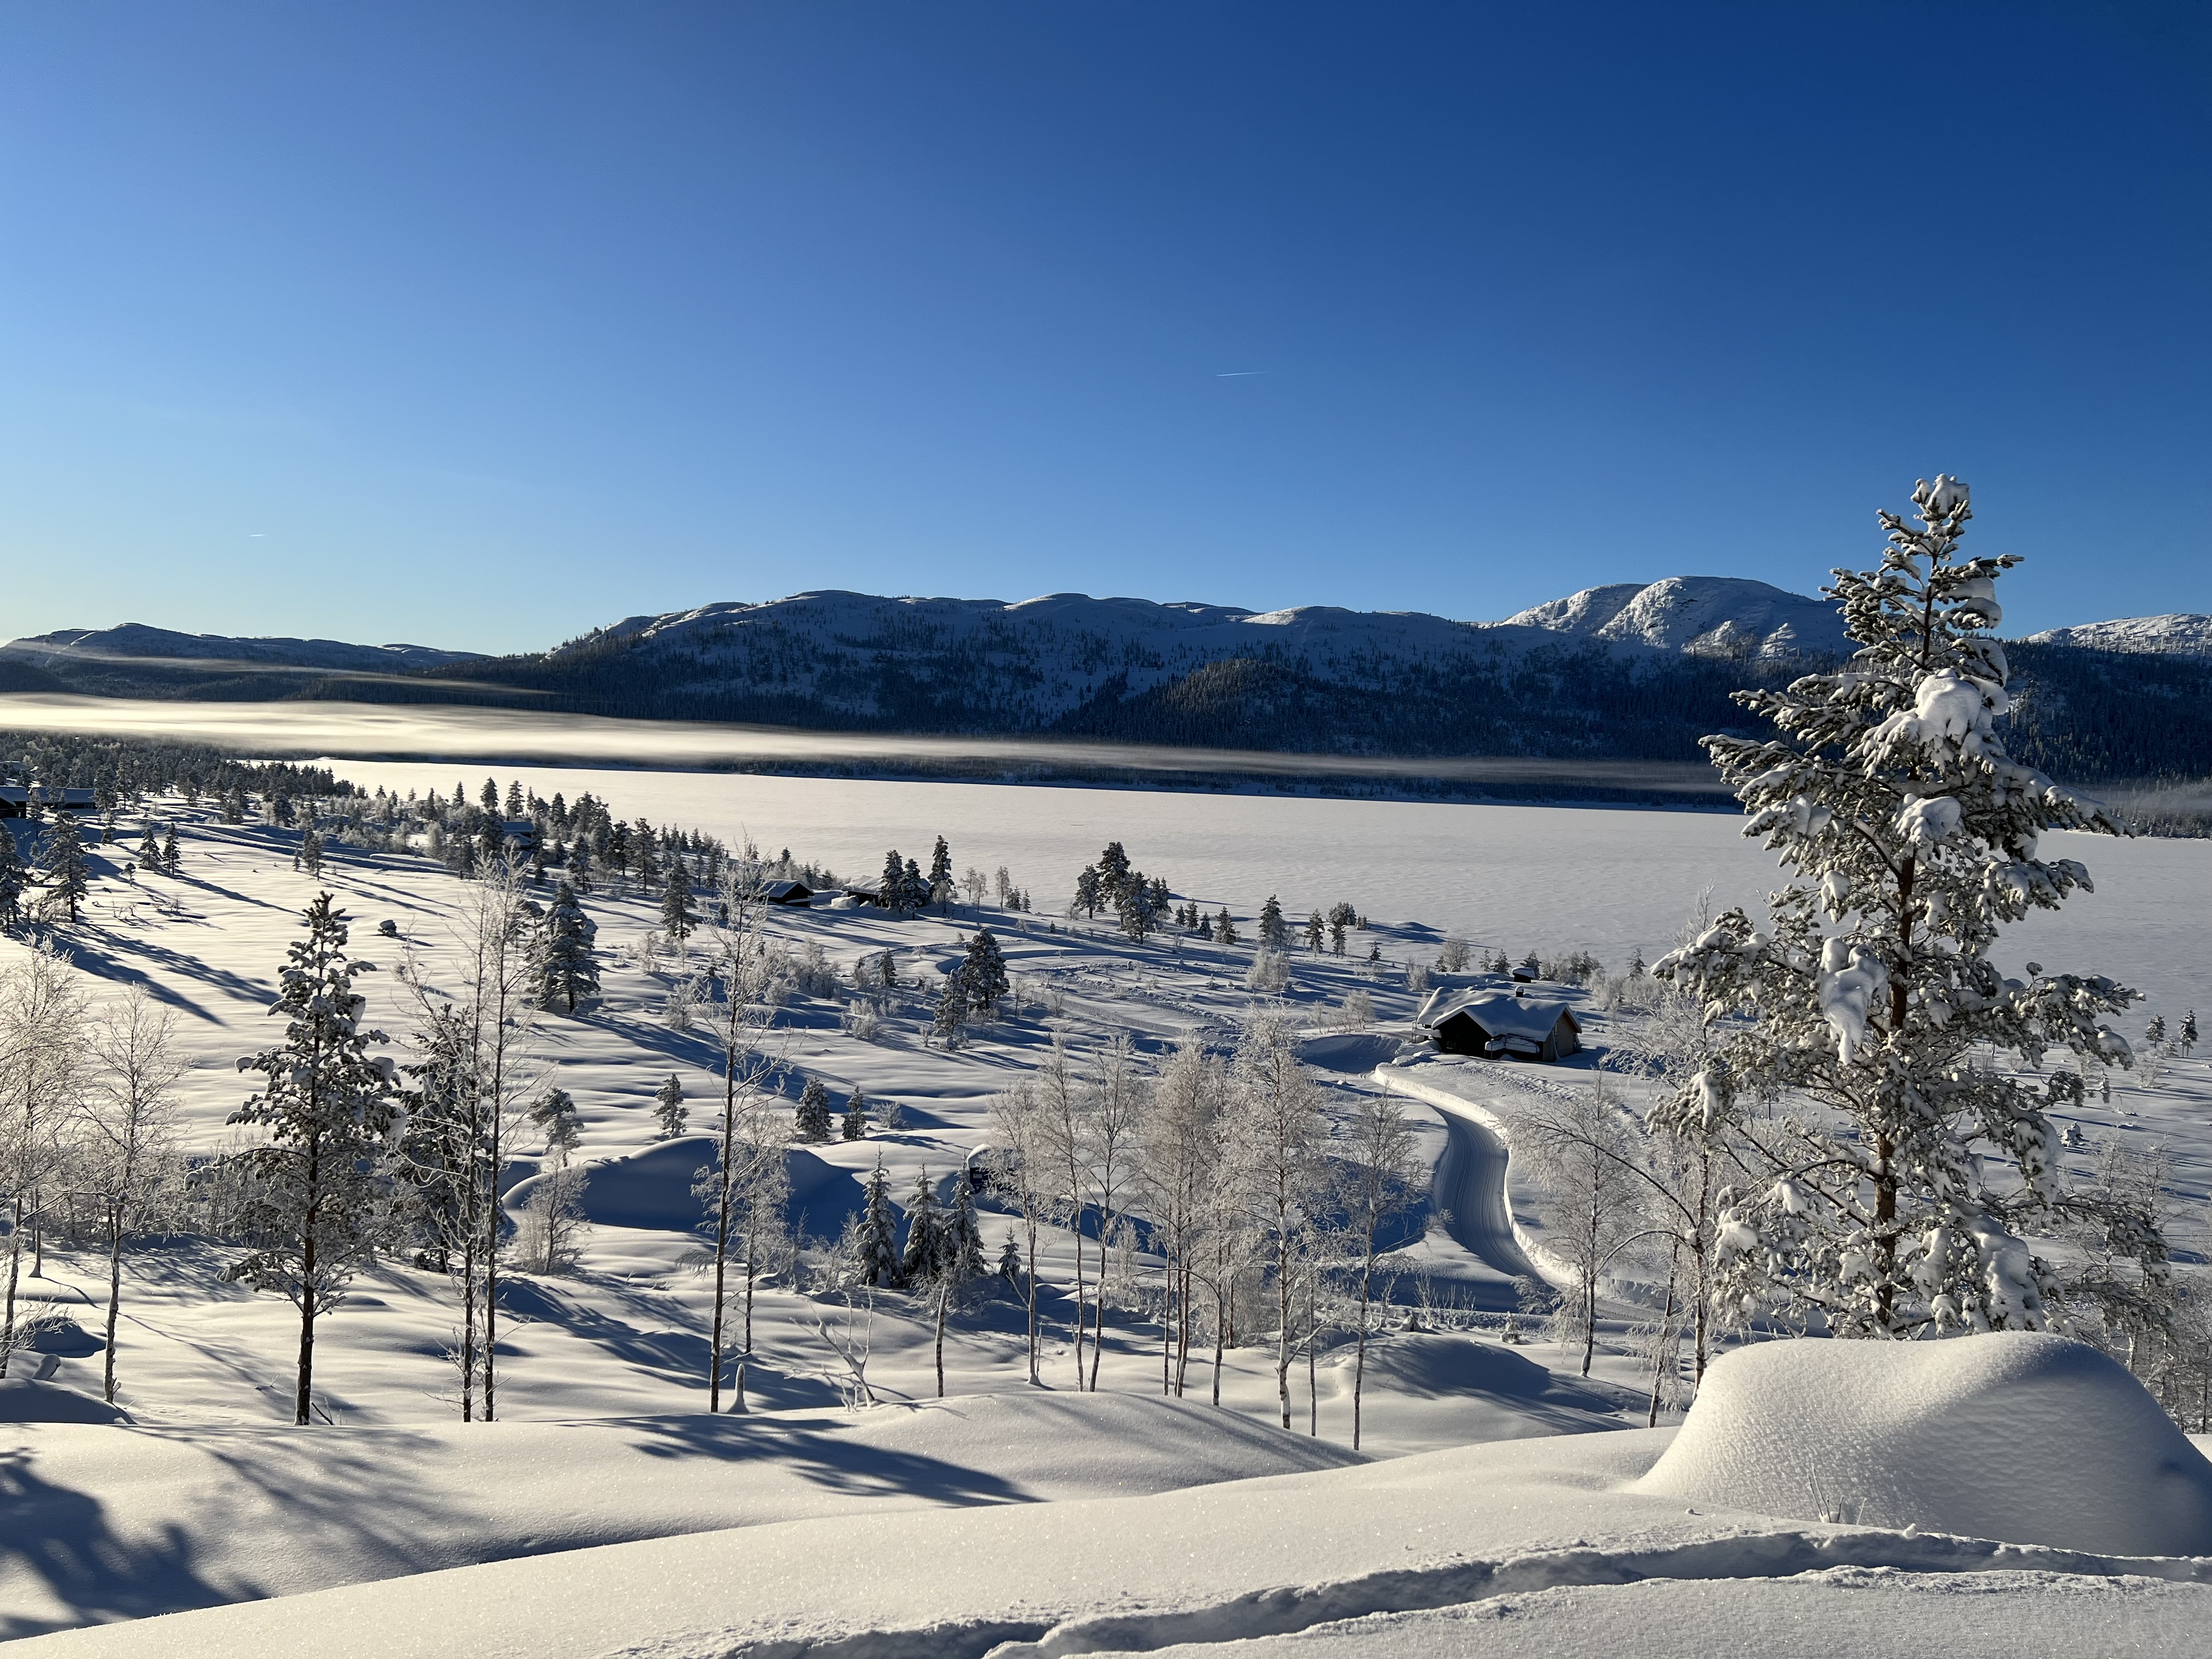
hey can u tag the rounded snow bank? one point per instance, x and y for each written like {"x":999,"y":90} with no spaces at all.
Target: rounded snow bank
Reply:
{"x":2016,"y":1437}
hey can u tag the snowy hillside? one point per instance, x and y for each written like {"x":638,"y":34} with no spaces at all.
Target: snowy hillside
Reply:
{"x":2179,"y":635}
{"x":136,"y":660}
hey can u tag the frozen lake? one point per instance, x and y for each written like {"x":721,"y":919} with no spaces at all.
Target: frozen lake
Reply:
{"x":1518,"y":877}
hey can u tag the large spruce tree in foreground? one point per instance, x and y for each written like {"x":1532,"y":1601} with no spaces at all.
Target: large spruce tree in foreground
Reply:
{"x":1908,"y":1150}
{"x":319,"y":1205}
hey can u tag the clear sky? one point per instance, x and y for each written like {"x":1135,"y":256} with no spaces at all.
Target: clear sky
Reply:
{"x":477,"y":325}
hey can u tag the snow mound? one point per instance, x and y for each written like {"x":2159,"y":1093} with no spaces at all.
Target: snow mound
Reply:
{"x":1352,"y":1051}
{"x":22,"y":1400}
{"x":2020,"y":1438}
{"x":1510,"y":1397}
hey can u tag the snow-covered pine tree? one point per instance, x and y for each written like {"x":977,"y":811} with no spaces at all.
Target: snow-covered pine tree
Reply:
{"x":940,"y":873}
{"x":962,"y":1242}
{"x":1224,"y":930}
{"x":310,"y":857}
{"x":813,"y":1119}
{"x":855,"y":1126}
{"x":233,"y":805}
{"x":875,"y":1240}
{"x":1135,"y":907}
{"x":319,"y":1203}
{"x":1273,"y":933}
{"x":677,"y":919}
{"x":1873,"y":1008}
{"x":555,"y":1113}
{"x":13,"y":879}
{"x":1010,"y":1258}
{"x":984,"y":975}
{"x":670,"y":1108}
{"x":1112,"y":870}
{"x":1089,"y":892}
{"x":149,"y":849}
{"x":893,"y":885}
{"x":67,"y":879}
{"x":170,"y":859}
{"x":952,"y":1007}
{"x":1315,"y":931}
{"x":915,"y":888}
{"x":578,"y":873}
{"x":567,"y":969}
{"x":925,"y":1224}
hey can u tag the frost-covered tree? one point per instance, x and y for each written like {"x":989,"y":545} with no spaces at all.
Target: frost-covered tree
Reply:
{"x":940,"y":873}
{"x":67,"y":879}
{"x":925,"y":1242}
{"x":1872,"y":1010}
{"x":1315,"y":931}
{"x":813,"y":1119}
{"x":873,"y":1257}
{"x":42,"y":1015}
{"x":1224,"y":930}
{"x":677,"y":919}
{"x":171,"y":860}
{"x":1179,"y":1156}
{"x":13,"y":879}
{"x":567,"y":969}
{"x":1089,"y":892}
{"x":555,"y":1113}
{"x":1021,"y":1167}
{"x":855,"y":1125}
{"x":1274,"y":933}
{"x":1379,"y":1175}
{"x":1582,"y":1151}
{"x":1274,"y":1138}
{"x":149,"y":849}
{"x":963,"y":1241}
{"x":669,"y":1108}
{"x":1114,"y":872}
{"x":130,"y":1163}
{"x":1137,"y":908}
{"x":319,"y":1203}
{"x":953,"y":1006}
{"x":983,"y":974}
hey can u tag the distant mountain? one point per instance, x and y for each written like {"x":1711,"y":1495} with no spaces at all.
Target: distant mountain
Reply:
{"x":136,"y":660}
{"x":1631,"y":671}
{"x":2180,"y":635}
{"x":1711,"y":616}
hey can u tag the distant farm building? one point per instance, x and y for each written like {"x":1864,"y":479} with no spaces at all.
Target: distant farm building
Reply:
{"x":16,"y":800}
{"x":1501,"y":1025}
{"x":787,"y":892}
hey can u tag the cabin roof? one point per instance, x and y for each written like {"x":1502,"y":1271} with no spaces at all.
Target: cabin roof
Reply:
{"x":1499,"y":1012}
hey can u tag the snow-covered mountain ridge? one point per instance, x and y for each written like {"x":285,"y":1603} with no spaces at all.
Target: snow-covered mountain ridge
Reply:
{"x":138,"y":642}
{"x":2180,"y":634}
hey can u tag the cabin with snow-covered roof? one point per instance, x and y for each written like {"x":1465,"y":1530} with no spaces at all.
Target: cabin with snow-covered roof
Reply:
{"x":787,"y":892}
{"x":1501,"y":1024}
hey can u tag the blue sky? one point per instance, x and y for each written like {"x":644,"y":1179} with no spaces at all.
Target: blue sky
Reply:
{"x":479,"y":325}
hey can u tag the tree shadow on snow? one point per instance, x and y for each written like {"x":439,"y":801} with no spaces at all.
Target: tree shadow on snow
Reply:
{"x":62,"y":1538}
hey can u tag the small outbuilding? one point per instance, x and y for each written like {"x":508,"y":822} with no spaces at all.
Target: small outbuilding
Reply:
{"x":787,"y":892}
{"x":1502,"y":1025}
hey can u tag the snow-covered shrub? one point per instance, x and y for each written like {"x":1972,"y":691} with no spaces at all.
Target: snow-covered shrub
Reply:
{"x":1453,"y":955}
{"x":1417,"y":979}
{"x":676,"y":1013}
{"x":1356,"y":1010}
{"x":549,"y":1229}
{"x":1268,"y":972}
{"x":861,"y":1019}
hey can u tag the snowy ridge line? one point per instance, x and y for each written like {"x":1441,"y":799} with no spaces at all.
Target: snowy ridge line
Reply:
{"x":1284,"y":1610}
{"x":1556,"y":1273}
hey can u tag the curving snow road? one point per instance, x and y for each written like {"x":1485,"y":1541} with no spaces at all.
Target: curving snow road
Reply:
{"x":1470,"y":1179}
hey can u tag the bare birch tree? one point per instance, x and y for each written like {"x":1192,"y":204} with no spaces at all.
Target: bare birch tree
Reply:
{"x":1179,"y":1158}
{"x":42,"y":1015}
{"x":1275,"y":1135}
{"x":129,"y":1139}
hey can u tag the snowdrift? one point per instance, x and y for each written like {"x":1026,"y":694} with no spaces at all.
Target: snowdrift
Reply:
{"x":2027,"y":1438}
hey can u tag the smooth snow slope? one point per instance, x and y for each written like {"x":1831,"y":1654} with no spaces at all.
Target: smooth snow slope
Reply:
{"x":116,"y":1523}
{"x":1209,"y":1567}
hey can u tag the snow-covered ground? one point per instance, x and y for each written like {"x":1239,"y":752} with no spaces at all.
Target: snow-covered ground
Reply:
{"x":210,"y":1497}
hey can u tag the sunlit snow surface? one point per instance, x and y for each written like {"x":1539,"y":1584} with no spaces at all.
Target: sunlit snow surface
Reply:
{"x":229,"y":1502}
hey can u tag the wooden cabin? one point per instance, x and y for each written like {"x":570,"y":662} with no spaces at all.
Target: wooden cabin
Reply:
{"x":788,"y":892}
{"x":1502,"y":1025}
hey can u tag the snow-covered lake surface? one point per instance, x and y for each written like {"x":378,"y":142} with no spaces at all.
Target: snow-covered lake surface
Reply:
{"x":1512,"y":878}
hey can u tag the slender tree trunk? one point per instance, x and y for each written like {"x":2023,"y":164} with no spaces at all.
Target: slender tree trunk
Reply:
{"x":114,"y":1288}
{"x":15,"y":1272}
{"x":943,"y":1295}
{"x":1028,"y":1215}
{"x":1666,"y":1346}
{"x":1360,"y":1360}
{"x":1282,"y":1318}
